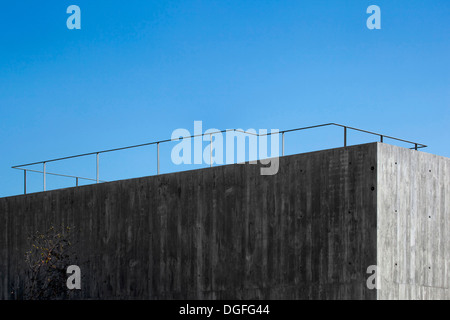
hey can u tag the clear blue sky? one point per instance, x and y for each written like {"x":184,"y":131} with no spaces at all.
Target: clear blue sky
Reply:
{"x":137,"y":70}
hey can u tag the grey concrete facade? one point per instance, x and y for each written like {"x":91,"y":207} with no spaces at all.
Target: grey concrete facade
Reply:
{"x":308,"y":232}
{"x":413,"y":240}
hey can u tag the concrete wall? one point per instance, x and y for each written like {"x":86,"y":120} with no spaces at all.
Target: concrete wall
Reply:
{"x":413,"y":224}
{"x":308,"y":232}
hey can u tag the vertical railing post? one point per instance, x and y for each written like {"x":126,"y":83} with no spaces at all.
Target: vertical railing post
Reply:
{"x":345,"y":136}
{"x":282,"y":143}
{"x":97,"y":167}
{"x":157,"y":155}
{"x":415,"y":146}
{"x":45,"y":187}
{"x":381,"y":138}
{"x":210,"y":150}
{"x":76,"y":179}
{"x":24,"y":181}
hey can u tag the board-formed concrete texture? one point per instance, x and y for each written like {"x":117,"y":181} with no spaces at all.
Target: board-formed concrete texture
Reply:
{"x":308,"y":232}
{"x":413,"y":240}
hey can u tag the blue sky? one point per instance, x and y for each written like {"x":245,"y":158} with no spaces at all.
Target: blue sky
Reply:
{"x":137,"y":70}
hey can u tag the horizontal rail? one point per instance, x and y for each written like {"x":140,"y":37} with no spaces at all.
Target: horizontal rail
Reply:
{"x":419,"y":145}
{"x":60,"y":175}
{"x":128,"y":147}
{"x":282,"y":133}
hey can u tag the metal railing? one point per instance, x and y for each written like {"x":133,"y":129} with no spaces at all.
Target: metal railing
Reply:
{"x":44,"y":172}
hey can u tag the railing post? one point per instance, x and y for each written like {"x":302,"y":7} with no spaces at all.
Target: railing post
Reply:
{"x":415,"y":146}
{"x":157,"y":145}
{"x":97,"y":167}
{"x":76,"y":179}
{"x":45,"y":187}
{"x":345,"y":136}
{"x":210,"y":150}
{"x":282,"y":143}
{"x":381,"y":138}
{"x":24,"y":181}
